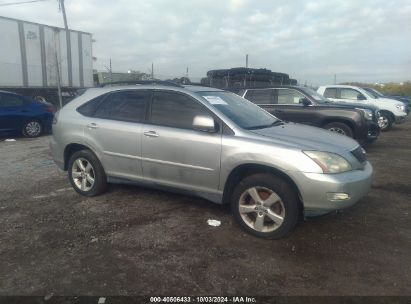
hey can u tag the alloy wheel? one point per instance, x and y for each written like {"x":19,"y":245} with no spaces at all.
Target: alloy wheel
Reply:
{"x":33,"y":129}
{"x":337,"y":130}
{"x":83,"y":174}
{"x":383,"y":122}
{"x":261,"y":209}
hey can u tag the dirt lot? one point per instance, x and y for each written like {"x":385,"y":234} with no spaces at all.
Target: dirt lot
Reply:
{"x":134,"y":241}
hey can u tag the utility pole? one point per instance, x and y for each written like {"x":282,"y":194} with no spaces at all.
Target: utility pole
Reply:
{"x":68,"y":43}
{"x":111,"y":72}
{"x":63,"y":10}
{"x":246,"y":60}
{"x":56,"y":36}
{"x":335,"y":78}
{"x":152,"y":71}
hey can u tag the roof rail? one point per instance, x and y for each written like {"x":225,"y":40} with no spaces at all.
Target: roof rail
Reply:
{"x":147,"y":82}
{"x":198,"y":84}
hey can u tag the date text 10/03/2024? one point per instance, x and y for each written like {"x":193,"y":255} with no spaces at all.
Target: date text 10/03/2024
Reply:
{"x":200,"y":299}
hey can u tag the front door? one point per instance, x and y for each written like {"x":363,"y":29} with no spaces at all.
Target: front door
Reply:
{"x":289,"y":106}
{"x":175,"y":154}
{"x":352,"y":96}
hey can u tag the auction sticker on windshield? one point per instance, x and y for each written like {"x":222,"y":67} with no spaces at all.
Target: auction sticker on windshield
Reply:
{"x":214,"y":100}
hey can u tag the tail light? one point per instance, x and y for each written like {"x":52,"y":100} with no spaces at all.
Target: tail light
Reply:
{"x":50,"y":109}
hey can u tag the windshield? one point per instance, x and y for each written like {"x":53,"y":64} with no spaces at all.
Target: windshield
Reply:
{"x":241,"y":111}
{"x":374,"y":92}
{"x":318,"y":98}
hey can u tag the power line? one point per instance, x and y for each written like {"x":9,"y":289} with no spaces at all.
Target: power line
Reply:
{"x":21,"y":2}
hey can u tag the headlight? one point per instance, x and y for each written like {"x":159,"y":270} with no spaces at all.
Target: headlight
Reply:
{"x":367,"y":113}
{"x":400,"y":107}
{"x":329,"y":162}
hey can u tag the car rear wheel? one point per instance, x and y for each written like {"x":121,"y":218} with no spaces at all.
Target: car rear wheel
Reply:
{"x":265,"y":206}
{"x":32,"y":128}
{"x":86,"y":174}
{"x":385,"y":121}
{"x":340,"y":128}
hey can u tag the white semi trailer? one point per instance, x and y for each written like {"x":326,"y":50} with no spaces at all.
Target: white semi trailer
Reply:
{"x":32,"y":54}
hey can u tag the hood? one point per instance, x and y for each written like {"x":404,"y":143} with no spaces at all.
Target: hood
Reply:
{"x":388,"y":100}
{"x":307,"y":138}
{"x":351,"y":105}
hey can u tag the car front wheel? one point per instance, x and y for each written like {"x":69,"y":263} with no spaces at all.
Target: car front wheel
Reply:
{"x":86,"y":174}
{"x":340,"y":128}
{"x":265,"y":206}
{"x":385,"y":121}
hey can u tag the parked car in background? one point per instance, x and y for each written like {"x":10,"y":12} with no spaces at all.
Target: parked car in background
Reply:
{"x":378,"y":94}
{"x":390,"y":111}
{"x":20,"y":115}
{"x":304,"y":105}
{"x":211,"y":143}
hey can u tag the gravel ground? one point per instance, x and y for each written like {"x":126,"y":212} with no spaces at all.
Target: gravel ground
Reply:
{"x":134,"y":241}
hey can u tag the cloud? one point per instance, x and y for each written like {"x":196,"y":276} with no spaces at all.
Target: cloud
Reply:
{"x":312,"y":41}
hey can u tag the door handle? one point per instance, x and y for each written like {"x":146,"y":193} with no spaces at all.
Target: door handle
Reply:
{"x":279,"y":111}
{"x":151,"y":134}
{"x":92,"y":125}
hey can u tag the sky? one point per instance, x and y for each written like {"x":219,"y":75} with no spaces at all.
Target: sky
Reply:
{"x":364,"y":41}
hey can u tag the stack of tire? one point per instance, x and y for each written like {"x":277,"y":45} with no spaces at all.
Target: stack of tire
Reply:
{"x":245,"y":77}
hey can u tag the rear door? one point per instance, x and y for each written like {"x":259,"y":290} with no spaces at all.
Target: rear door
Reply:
{"x":174,"y":153}
{"x":115,"y":131}
{"x":265,"y":98}
{"x":13,"y":112}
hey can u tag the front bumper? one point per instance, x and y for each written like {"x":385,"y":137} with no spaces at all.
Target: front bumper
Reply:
{"x":316,"y":189}
{"x":400,"y":119}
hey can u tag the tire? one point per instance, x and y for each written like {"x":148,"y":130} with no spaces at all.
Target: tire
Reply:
{"x":385,"y":121}
{"x":340,"y":128}
{"x":95,"y":178}
{"x":32,"y":128}
{"x":268,"y":188}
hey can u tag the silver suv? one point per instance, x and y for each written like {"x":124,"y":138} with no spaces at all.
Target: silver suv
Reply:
{"x":210,"y":143}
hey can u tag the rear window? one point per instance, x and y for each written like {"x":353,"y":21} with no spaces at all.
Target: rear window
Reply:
{"x":330,"y":93}
{"x":89,"y":108}
{"x":260,"y":96}
{"x":9,"y":100}
{"x":124,"y":105}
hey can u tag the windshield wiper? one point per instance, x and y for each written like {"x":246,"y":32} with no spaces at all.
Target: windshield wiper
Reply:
{"x":275,"y":123}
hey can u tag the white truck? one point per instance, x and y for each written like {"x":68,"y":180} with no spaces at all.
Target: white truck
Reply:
{"x":391,"y":111}
{"x":32,"y":55}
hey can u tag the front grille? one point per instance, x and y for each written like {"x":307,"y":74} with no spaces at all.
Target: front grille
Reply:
{"x":359,"y":154}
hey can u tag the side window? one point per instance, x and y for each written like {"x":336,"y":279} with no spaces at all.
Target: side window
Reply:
{"x":289,"y":96}
{"x":330,"y":93}
{"x":260,"y":96}
{"x":124,"y":105}
{"x":351,"y":94}
{"x":89,"y":108}
{"x":8,"y":100}
{"x":175,"y":110}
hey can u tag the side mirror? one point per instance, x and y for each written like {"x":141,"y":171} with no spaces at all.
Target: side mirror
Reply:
{"x":305,"y":102}
{"x":361,"y":97}
{"x":204,"y":124}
